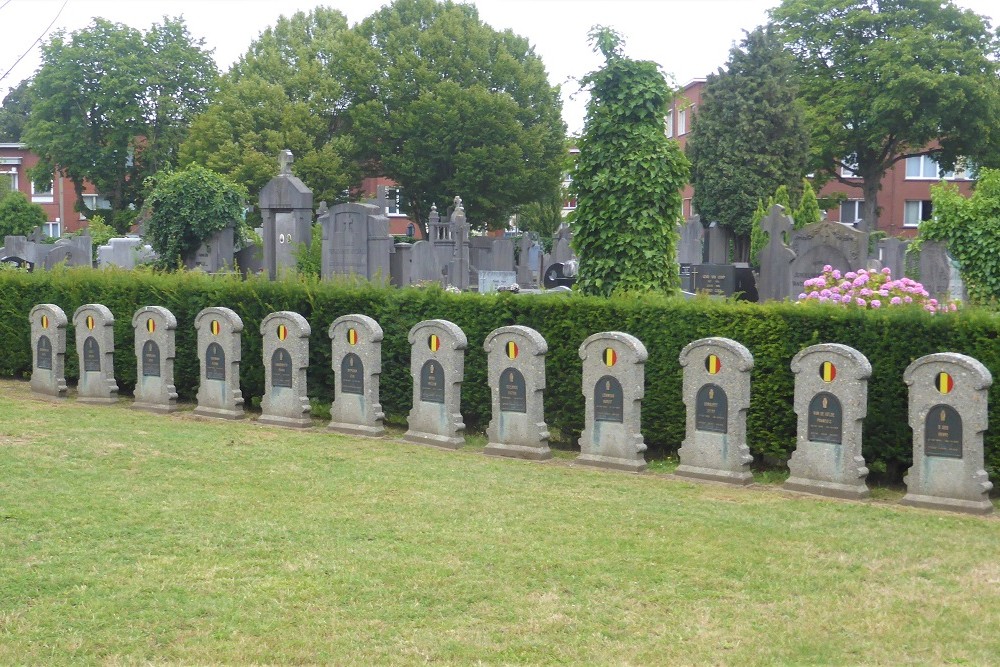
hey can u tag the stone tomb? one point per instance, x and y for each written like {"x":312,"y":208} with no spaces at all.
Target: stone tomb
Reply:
{"x":95,"y":348}
{"x":516,"y":360}
{"x":48,"y":350}
{"x":155,"y":349}
{"x":356,"y":356}
{"x":356,"y":241}
{"x":286,"y":211}
{"x":823,"y":243}
{"x":716,"y":393}
{"x":776,"y":257}
{"x":613,"y":387}
{"x":831,"y":401}
{"x":286,"y":359}
{"x":948,"y":414}
{"x":437,"y":363}
{"x":219,"y":352}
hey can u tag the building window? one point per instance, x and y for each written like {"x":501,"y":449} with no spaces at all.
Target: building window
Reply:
{"x":915,"y":211}
{"x":393,"y":199}
{"x":569,"y":204}
{"x":41,"y":193}
{"x":925,"y":167}
{"x":95,"y":203}
{"x":682,"y":122}
{"x":686,"y":208}
{"x":668,"y":123}
{"x":850,"y":211}
{"x":8,"y":180}
{"x":52,"y":229}
{"x":849,"y":170}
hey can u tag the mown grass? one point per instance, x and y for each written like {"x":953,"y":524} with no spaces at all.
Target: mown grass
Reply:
{"x":129,"y":538}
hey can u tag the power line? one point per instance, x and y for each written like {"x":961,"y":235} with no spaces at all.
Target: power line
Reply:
{"x":33,"y":44}
{"x":6,"y":3}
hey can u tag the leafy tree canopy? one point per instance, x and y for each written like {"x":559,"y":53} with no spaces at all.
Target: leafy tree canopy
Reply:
{"x":888,"y":79}
{"x":749,"y":135}
{"x":14,"y":112}
{"x":445,"y":105}
{"x":111,"y":104}
{"x":628,"y":178}
{"x":18,"y":216}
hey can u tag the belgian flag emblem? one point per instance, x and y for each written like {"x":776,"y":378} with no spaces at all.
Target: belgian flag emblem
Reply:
{"x":352,"y":336}
{"x":90,"y":322}
{"x":215,"y":327}
{"x":150,"y":325}
{"x":713,"y":364}
{"x":828,"y":371}
{"x":511,"y":350}
{"x":944,"y":383}
{"x":282,"y":332}
{"x":610,"y":357}
{"x":434,"y":343}
{"x":45,"y":321}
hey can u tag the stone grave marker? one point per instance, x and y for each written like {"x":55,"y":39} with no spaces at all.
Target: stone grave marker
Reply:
{"x":437,"y":363}
{"x":215,"y":254}
{"x":491,"y":281}
{"x":935,"y":269}
{"x":356,"y":356}
{"x":516,"y":361}
{"x":821,"y":243}
{"x":356,"y":241}
{"x":95,"y":347}
{"x":717,"y":240}
{"x":286,"y":210}
{"x":286,"y":360}
{"x":73,"y":251}
{"x":48,"y":350}
{"x":831,"y":401}
{"x":949,"y":396}
{"x":219,"y":352}
{"x":613,"y":387}
{"x":775,"y":282}
{"x":892,"y":254}
{"x":155,"y":330}
{"x":716,"y":392}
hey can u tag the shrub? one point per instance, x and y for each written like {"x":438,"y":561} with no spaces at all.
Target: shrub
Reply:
{"x":869,"y":289}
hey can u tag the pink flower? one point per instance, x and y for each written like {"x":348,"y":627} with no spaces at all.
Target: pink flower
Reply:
{"x":952,"y":307}
{"x":827,"y":268}
{"x":846,"y":298}
{"x":866,"y":292}
{"x":862,"y":302}
{"x":836,"y":274}
{"x":886,"y":271}
{"x":895,"y":301}
{"x":802,"y":296}
{"x":850,"y":275}
{"x":907,"y":299}
{"x":876,"y":303}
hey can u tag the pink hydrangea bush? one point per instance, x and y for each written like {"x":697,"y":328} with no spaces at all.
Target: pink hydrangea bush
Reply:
{"x":869,"y":289}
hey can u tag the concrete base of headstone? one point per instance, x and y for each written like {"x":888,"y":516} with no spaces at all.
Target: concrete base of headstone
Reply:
{"x":433,"y":439}
{"x":714,"y":475}
{"x":100,"y":400}
{"x":518,"y":452}
{"x":288,"y":422}
{"x":610,"y":463}
{"x":219,"y":413}
{"x":356,"y":429}
{"x":948,"y":504}
{"x":158,"y":408}
{"x":829,"y":489}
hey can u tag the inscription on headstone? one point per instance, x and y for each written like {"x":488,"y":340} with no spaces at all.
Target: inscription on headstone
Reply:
{"x":44,"y":356}
{"x":711,"y":410}
{"x":91,"y":354}
{"x":432,"y":382}
{"x":281,"y":368}
{"x":285,"y":353}
{"x":48,"y":335}
{"x":943,"y":432}
{"x":352,"y":374}
{"x":608,"y":400}
{"x":516,"y":374}
{"x":150,"y":359}
{"x":513,"y":397}
{"x":826,"y":419}
{"x":215,"y":362}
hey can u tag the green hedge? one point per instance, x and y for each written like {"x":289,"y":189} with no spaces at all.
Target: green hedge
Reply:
{"x":890,"y":338}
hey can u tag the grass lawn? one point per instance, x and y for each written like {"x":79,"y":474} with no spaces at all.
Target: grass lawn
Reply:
{"x":127,"y":537}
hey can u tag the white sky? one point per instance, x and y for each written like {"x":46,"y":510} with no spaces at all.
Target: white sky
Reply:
{"x":688,"y":38}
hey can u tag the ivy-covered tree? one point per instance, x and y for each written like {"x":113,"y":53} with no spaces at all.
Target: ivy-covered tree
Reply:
{"x":111,"y":104}
{"x":188,"y":206}
{"x":282,"y":94}
{"x":18,"y":216}
{"x":628,"y":178}
{"x":884,"y":80}
{"x":14,"y":112}
{"x":749,"y":136}
{"x":445,"y":105}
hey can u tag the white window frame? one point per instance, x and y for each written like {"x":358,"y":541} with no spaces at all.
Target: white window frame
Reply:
{"x":925,"y":168}
{"x":95,"y":202}
{"x":668,"y":123}
{"x":393,"y":201}
{"x":858,"y":203}
{"x":681,"y":122}
{"x":12,"y":172}
{"x":915,"y":205}
{"x":53,"y":229}
{"x":42,"y":196}
{"x":847,"y":172}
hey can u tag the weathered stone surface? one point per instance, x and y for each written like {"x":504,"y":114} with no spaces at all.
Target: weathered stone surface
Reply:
{"x":286,"y":360}
{"x":155,"y":349}
{"x":892,"y":254}
{"x":516,"y":371}
{"x":689,"y":250}
{"x":823,"y":243}
{"x":936,"y":269}
{"x":95,"y":347}
{"x":286,"y":210}
{"x":775,"y":283}
{"x":716,"y":392}
{"x":831,"y":401}
{"x":48,"y":350}
{"x":356,"y":242}
{"x":215,"y":254}
{"x":71,"y":251}
{"x":356,"y":356}
{"x":717,"y":239}
{"x":437,"y":363}
{"x":949,"y":396}
{"x":613,"y":387}
{"x":219,"y":352}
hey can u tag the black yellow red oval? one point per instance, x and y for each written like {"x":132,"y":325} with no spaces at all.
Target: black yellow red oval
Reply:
{"x":352,"y":336}
{"x":610,"y":356}
{"x":944,"y":383}
{"x":215,"y":327}
{"x":511,"y":350}
{"x":713,"y":364}
{"x":45,"y":321}
{"x":434,"y":342}
{"x":150,"y":325}
{"x":827,"y":371}
{"x":90,"y":322}
{"x":282,"y":332}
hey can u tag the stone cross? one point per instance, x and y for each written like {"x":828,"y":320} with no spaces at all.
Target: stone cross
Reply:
{"x":356,"y":356}
{"x":219,"y":351}
{"x":286,"y":359}
{"x":155,"y":349}
{"x":776,"y":257}
{"x":437,"y":364}
{"x":95,"y":347}
{"x":516,"y":360}
{"x":48,"y":350}
{"x":285,"y":160}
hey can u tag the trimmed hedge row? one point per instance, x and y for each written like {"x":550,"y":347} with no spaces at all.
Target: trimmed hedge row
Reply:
{"x":890,"y":338}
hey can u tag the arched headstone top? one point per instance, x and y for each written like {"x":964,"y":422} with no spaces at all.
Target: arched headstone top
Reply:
{"x":857,"y":367}
{"x":301,"y":324}
{"x":628,"y":343}
{"x":538,"y":346}
{"x":94,"y":309}
{"x":427,"y":327}
{"x":742,"y":357}
{"x":981,"y":376}
{"x":221,"y":314}
{"x":373,"y":328}
{"x":56,"y":316}
{"x":169,"y":321}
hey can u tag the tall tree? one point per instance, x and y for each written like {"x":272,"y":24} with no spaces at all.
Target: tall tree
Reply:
{"x":110,"y":105}
{"x":445,"y":105}
{"x":628,"y":178}
{"x":282,"y":94}
{"x":889,"y":79}
{"x":14,"y":112}
{"x":749,"y":136}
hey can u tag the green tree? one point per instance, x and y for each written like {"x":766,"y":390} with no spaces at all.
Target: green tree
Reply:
{"x":807,"y":211}
{"x":18,"y":216}
{"x":282,"y":94}
{"x":14,"y":112}
{"x":628,"y":178}
{"x":749,"y":136}
{"x":110,"y":105}
{"x":188,"y":206}
{"x":445,"y":105}
{"x":886,"y":80}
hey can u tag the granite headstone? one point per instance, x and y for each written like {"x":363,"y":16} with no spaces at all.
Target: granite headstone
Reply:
{"x":155,"y":330}
{"x":437,"y":364}
{"x":48,"y":350}
{"x":286,"y":360}
{"x":356,"y":356}
{"x":219,"y":352}
{"x":95,"y":347}
{"x":516,"y":372}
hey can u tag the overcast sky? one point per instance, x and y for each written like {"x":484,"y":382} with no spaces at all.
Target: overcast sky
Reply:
{"x":688,"y":38}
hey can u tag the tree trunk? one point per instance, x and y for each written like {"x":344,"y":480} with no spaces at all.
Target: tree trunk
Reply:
{"x":870,"y":186}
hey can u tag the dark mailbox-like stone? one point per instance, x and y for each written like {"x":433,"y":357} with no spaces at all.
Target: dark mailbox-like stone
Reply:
{"x":608,"y":400}
{"x":352,"y":374}
{"x":943,"y":432}
{"x":44,"y":353}
{"x":91,"y":355}
{"x":711,"y":409}
{"x":432,"y":382}
{"x":215,"y":362}
{"x":826,"y":419}
{"x":281,"y":368}
{"x":513,"y":397}
{"x":150,"y":359}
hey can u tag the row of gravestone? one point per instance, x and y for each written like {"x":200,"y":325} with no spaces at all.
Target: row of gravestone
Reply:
{"x":947,"y":406}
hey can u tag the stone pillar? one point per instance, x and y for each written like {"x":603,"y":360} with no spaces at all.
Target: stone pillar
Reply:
{"x":356,"y":356}
{"x":716,"y":392}
{"x":48,"y":350}
{"x":95,"y":348}
{"x":155,"y":349}
{"x":831,"y":401}
{"x":437,"y":363}
{"x":286,"y":360}
{"x":286,"y":210}
{"x":219,"y":352}
{"x":516,"y":360}
{"x":613,"y":386}
{"x":949,"y":396}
